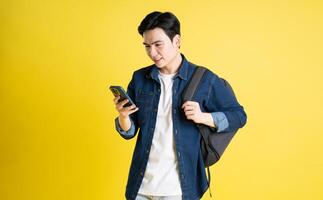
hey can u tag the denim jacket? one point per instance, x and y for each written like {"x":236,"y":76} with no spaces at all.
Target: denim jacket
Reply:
{"x":212,"y":96}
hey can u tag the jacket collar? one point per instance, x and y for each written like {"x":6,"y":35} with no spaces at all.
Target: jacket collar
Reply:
{"x":182,"y":72}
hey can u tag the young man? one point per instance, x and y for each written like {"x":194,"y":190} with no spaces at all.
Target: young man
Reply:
{"x":167,"y":162}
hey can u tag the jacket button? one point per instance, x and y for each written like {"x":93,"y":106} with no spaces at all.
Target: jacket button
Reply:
{"x":179,"y":154}
{"x":141,"y":173}
{"x":147,"y":151}
{"x":182,"y":176}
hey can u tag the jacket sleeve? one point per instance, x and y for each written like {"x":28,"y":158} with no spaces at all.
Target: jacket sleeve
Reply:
{"x":222,"y":99}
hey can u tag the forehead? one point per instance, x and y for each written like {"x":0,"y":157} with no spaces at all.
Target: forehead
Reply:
{"x":156,"y":34}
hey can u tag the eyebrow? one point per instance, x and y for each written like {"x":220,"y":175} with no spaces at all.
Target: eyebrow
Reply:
{"x":153,"y":42}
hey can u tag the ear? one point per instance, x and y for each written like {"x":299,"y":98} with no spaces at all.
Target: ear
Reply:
{"x":177,"y":40}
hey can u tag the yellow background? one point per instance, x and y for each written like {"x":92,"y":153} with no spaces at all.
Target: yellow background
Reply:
{"x":57,"y":137}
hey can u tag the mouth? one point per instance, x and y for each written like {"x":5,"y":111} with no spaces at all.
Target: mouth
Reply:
{"x":157,"y":60}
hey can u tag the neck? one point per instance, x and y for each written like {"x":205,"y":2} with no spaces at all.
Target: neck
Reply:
{"x":173,"y":66}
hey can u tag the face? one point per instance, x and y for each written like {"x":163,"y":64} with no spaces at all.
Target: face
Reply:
{"x":160,"y":48}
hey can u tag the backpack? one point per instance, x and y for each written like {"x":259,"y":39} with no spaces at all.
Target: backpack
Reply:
{"x":213,"y":144}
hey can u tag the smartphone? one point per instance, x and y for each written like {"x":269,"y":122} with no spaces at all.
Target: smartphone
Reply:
{"x":119,"y":91}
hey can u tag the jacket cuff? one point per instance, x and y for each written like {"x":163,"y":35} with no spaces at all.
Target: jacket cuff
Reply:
{"x":129,"y":133}
{"x":220,"y":121}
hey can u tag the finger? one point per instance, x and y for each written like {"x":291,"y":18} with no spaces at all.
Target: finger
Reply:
{"x":116,"y":99}
{"x":187,"y":108}
{"x":134,"y":110}
{"x":189,"y":117}
{"x":130,"y":107}
{"x":120,"y":107}
{"x":187,"y":113}
{"x":184,"y":104}
{"x":189,"y":103}
{"x":127,"y":111}
{"x":122,"y":103}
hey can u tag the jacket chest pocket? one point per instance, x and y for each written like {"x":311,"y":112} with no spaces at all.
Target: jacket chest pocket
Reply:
{"x":144,"y":103}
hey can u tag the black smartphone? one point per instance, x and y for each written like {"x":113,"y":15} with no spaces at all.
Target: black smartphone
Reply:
{"x":119,"y":91}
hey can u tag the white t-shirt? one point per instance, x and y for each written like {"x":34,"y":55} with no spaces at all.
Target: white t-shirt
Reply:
{"x":161,"y":176}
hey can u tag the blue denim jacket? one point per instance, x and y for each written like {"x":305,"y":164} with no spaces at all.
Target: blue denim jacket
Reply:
{"x":213,"y":97}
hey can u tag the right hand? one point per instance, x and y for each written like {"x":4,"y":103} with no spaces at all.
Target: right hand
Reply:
{"x":124,"y":112}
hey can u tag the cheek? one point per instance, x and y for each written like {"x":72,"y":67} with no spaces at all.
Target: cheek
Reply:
{"x":170,"y":53}
{"x":166,"y":52}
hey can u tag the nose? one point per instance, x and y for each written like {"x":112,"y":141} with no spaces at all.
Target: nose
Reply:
{"x":152,"y":52}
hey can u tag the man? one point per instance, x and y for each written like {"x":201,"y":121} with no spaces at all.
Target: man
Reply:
{"x":167,"y":162}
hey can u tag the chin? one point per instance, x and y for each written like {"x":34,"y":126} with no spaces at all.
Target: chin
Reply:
{"x":160,"y":65}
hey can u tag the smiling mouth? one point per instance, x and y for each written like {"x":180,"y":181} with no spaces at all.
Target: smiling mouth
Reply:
{"x":157,"y":60}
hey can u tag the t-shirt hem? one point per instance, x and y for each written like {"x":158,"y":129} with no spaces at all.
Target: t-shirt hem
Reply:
{"x":159,"y":194}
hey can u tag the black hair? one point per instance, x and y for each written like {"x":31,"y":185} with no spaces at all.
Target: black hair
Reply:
{"x":166,"y":21}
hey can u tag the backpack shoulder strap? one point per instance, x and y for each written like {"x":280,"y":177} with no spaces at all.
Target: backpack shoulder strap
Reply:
{"x":191,"y":87}
{"x":188,"y":95}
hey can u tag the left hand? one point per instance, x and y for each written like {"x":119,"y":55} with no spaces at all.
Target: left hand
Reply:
{"x":192,"y":111}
